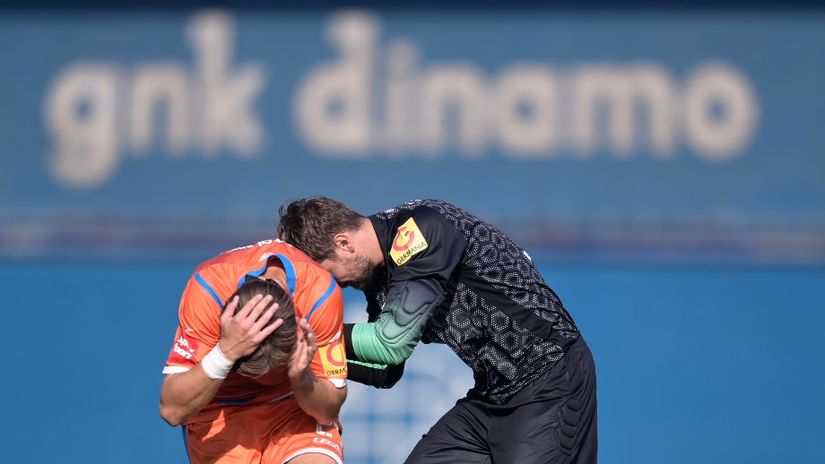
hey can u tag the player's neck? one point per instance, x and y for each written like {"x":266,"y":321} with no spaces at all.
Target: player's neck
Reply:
{"x":276,"y":273}
{"x":370,"y":243}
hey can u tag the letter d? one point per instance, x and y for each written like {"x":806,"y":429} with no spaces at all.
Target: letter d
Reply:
{"x":332,"y":104}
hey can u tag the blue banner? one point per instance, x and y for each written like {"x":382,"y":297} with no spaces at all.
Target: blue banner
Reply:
{"x":582,"y":119}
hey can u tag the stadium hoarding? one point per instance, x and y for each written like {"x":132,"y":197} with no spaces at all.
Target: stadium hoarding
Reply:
{"x":581,"y":132}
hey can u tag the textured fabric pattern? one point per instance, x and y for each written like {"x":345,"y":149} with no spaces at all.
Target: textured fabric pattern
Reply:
{"x":500,"y":316}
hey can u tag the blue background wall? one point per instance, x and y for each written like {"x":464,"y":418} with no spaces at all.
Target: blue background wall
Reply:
{"x":695,"y":364}
{"x":696,"y":273}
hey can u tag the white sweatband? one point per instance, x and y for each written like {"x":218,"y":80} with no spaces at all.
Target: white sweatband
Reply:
{"x":216,"y":364}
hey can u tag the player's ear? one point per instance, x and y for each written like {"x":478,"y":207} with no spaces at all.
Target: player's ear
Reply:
{"x":342,"y":241}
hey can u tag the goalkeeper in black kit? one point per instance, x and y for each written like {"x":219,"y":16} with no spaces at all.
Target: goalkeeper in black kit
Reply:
{"x":433,"y":272}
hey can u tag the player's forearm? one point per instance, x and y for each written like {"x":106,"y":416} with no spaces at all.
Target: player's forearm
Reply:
{"x":318,"y":397}
{"x":185,"y":394}
{"x":398,"y":329}
{"x":374,"y":375}
{"x":367,"y":344}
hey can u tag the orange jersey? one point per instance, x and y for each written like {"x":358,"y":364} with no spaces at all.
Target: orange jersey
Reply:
{"x":315,"y":295}
{"x":270,"y":433}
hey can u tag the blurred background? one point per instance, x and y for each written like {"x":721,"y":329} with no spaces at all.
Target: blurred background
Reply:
{"x":664,"y":164}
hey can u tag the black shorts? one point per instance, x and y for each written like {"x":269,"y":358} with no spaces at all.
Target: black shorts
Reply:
{"x":552,"y":420}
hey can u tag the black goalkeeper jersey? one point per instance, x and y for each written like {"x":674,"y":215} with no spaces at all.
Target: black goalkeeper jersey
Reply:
{"x":498,"y":315}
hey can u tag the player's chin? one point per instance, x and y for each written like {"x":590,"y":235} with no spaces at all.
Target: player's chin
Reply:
{"x":343,"y":283}
{"x":357,"y":284}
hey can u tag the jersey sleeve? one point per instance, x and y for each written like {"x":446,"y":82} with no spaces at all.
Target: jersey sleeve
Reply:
{"x":425,"y":246}
{"x":199,"y":326}
{"x":326,"y":317}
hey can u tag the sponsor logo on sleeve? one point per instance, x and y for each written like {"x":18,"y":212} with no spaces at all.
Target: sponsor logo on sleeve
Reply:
{"x":327,"y":442}
{"x":408,"y":242}
{"x":333,"y":358}
{"x":183,"y":352}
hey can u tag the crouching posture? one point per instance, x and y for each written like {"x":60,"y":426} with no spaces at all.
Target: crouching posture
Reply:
{"x":257,"y":370}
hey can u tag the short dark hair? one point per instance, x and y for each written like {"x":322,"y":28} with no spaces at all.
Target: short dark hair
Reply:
{"x":276,"y":349}
{"x":311,"y":223}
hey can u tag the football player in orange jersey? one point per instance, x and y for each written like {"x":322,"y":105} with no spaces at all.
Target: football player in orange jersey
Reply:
{"x":262,"y":378}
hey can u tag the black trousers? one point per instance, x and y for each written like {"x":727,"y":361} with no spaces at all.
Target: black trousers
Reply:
{"x":552,"y":420}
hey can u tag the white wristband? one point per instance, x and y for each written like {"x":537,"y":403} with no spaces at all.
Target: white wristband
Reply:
{"x":216,"y":364}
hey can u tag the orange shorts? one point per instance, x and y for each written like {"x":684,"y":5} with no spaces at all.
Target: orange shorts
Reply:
{"x":262,"y":433}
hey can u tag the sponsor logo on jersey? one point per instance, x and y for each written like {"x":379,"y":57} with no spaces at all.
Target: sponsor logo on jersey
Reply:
{"x":408,"y":242}
{"x":327,"y":442}
{"x":184,"y":350}
{"x":333,"y":358}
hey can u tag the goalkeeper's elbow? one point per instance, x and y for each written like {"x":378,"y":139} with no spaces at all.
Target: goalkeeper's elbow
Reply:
{"x":393,"y":375}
